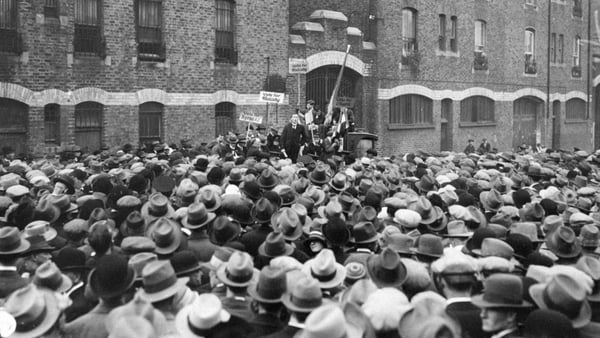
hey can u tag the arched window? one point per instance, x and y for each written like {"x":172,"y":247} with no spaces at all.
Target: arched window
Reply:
{"x":477,"y":109}
{"x":411,"y":109}
{"x":13,"y":129}
{"x":224,"y":118}
{"x":88,"y":125}
{"x":52,"y":124}
{"x":576,"y":109}
{"x":151,"y":117}
{"x":409,"y":31}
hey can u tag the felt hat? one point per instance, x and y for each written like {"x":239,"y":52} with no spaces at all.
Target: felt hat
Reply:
{"x":111,"y":277}
{"x":386,"y":269}
{"x":203,"y":314}
{"x":251,"y":189}
{"x":166,"y":235}
{"x":457,"y":229}
{"x":566,"y":295}
{"x":305,"y":296}
{"x":40,"y":228}
{"x":275,"y":246}
{"x":132,"y":245}
{"x":329,"y":321}
{"x":501,"y":291}
{"x":315,"y":194}
{"x":160,"y":281}
{"x":491,"y":200}
{"x":426,"y":183}
{"x":428,"y":213}
{"x":224,"y":230}
{"x":494,"y":247}
{"x":158,"y":205}
{"x":325,"y":269}
{"x":336,"y":232}
{"x":563,"y":243}
{"x":136,"y":309}
{"x":589,"y":236}
{"x":197,"y":216}
{"x":239,"y":270}
{"x":49,"y":276}
{"x":262,"y":211}
{"x":548,"y":323}
{"x":429,"y":245}
{"x":364,"y":232}
{"x":286,"y":193}
{"x":211,"y":199}
{"x":70,"y":259}
{"x":319,"y":175}
{"x":287,"y":221}
{"x":270,"y":287}
{"x":138,"y":261}
{"x":339,"y":182}
{"x":163,"y":184}
{"x":267,"y":179}
{"x":11,"y":242}
{"x":35,"y":311}
{"x":134,"y":225}
{"x":401,"y":243}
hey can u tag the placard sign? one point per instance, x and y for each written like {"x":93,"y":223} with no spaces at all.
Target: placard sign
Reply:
{"x":298,"y":66}
{"x":251,"y":117}
{"x":271,"y":97}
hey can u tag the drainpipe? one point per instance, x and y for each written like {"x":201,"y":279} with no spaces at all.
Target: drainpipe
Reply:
{"x":548,"y":79}
{"x":589,"y":69}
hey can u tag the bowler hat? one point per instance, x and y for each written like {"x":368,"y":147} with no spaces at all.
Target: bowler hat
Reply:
{"x":364,"y":232}
{"x":429,"y":245}
{"x":69,"y":259}
{"x":184,"y":262}
{"x":501,"y":291}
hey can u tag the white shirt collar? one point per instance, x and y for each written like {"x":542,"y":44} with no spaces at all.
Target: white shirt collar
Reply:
{"x":504,"y":332}
{"x":8,"y":268}
{"x":458,"y":300}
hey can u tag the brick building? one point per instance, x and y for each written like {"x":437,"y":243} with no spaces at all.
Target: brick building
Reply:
{"x":421,"y":73}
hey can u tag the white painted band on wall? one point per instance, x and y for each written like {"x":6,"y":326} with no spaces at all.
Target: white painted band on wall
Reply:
{"x":47,"y":96}
{"x":458,"y":95}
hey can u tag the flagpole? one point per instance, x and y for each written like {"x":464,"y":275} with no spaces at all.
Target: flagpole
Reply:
{"x":338,"y":82}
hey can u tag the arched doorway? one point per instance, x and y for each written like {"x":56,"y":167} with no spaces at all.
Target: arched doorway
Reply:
{"x":320,"y":84}
{"x":525,"y":114}
{"x":13,"y":129}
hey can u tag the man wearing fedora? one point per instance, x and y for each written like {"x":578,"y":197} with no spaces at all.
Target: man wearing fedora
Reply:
{"x":266,"y":296}
{"x":237,"y":274}
{"x":197,"y":220}
{"x":304,"y":297}
{"x":12,"y":247}
{"x":500,"y":304}
{"x":111,"y":281}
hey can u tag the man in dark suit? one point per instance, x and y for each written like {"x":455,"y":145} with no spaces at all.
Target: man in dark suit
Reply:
{"x":294,"y":135}
{"x":455,"y":280}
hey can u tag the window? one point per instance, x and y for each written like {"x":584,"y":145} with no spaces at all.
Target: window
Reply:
{"x":577,"y":9}
{"x":51,"y":8}
{"x":561,"y":48}
{"x":411,"y":109}
{"x":88,"y":125}
{"x":13,"y":129}
{"x":149,"y":30}
{"x":453,"y":34}
{"x":224,"y":118}
{"x":409,"y":31}
{"x":553,"y":48}
{"x":88,"y":33}
{"x":8,"y":27}
{"x":442,"y":33}
{"x":576,"y":109}
{"x":224,"y":44}
{"x":151,"y":116}
{"x":530,"y":65}
{"x":576,"y":51}
{"x":52,"y":123}
{"x":480,"y":35}
{"x":477,"y":109}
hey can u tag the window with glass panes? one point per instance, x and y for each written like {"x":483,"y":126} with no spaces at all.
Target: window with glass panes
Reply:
{"x":411,"y":109}
{"x":477,"y":109}
{"x":225,"y":32}
{"x":87,"y":37}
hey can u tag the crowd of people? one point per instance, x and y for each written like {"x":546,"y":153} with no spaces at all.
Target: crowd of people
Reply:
{"x":223,"y":240}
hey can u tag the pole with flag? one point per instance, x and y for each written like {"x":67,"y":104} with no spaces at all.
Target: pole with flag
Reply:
{"x":336,"y":89}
